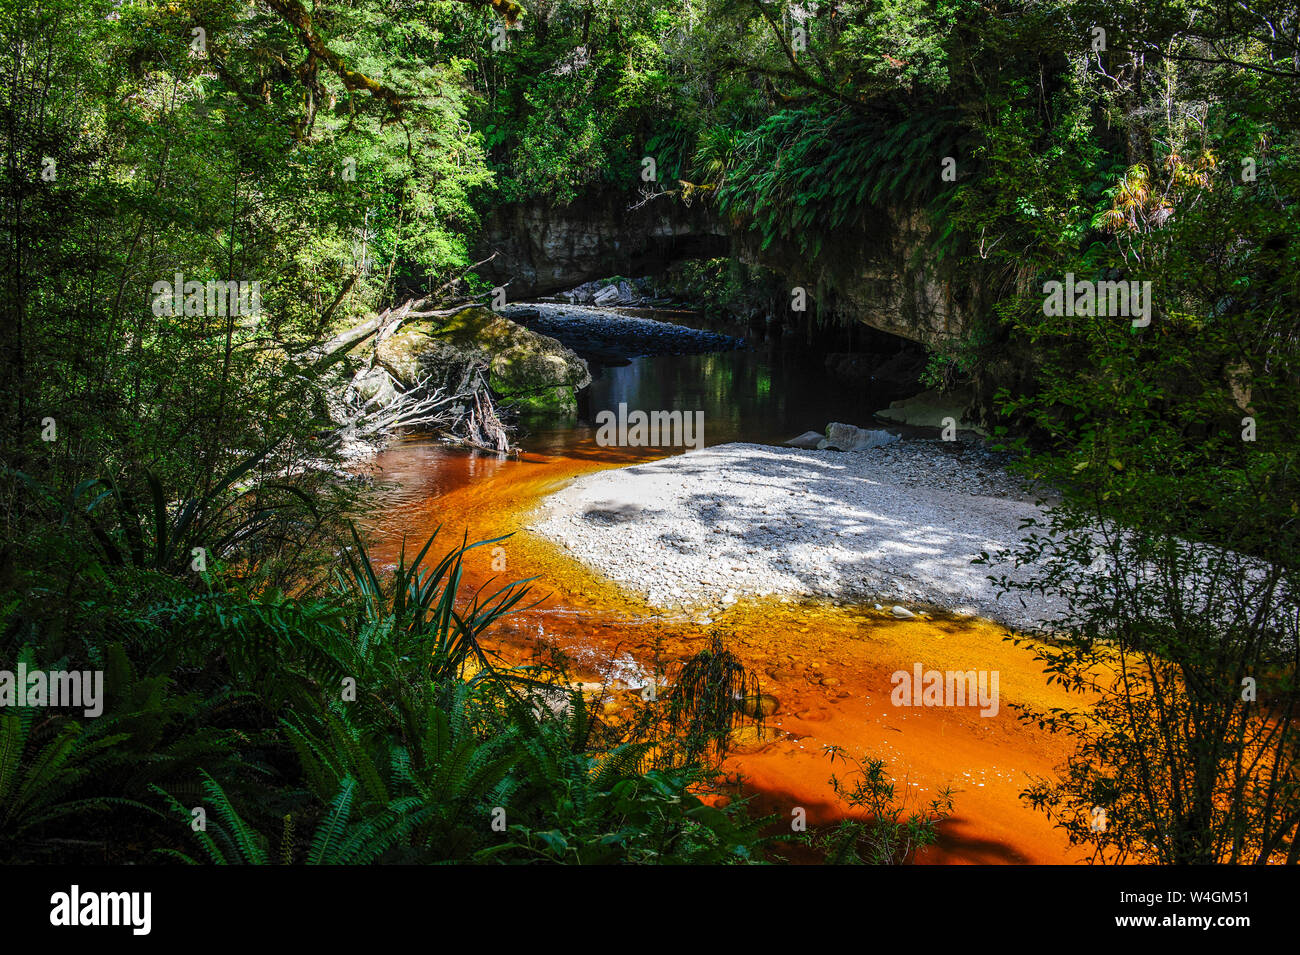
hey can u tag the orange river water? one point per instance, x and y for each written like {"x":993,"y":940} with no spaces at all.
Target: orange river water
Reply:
{"x":829,"y":666}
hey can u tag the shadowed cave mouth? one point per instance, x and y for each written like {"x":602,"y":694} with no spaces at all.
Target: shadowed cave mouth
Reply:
{"x":613,"y":320}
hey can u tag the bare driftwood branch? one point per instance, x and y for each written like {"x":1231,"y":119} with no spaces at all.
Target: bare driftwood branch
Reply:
{"x":450,"y":283}
{"x":465,"y":413}
{"x":686,"y":190}
{"x":381,"y":325}
{"x":648,"y":195}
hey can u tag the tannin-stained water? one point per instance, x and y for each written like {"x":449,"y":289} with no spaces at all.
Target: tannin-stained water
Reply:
{"x":829,"y":666}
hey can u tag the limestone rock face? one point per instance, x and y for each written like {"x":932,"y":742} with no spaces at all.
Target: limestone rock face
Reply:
{"x":890,"y":280}
{"x":528,"y":370}
{"x":907,"y":293}
{"x":541,"y":248}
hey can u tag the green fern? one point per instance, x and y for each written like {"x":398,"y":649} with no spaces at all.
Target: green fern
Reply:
{"x":804,"y":177}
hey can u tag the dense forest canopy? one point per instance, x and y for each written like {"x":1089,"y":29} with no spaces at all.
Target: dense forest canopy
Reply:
{"x":333,"y":154}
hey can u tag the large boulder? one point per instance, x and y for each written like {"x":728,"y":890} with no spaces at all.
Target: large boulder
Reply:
{"x":374,"y":387}
{"x":809,"y":439}
{"x":847,"y":437}
{"x":933,"y":409}
{"x":609,"y":295}
{"x":528,"y":370}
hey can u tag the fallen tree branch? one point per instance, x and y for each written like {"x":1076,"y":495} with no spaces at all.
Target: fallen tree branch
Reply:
{"x":445,"y":286}
{"x":381,"y":325}
{"x":465,"y":413}
{"x":687,"y":193}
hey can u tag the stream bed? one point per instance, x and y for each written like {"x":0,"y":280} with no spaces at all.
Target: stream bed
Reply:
{"x":828,"y":663}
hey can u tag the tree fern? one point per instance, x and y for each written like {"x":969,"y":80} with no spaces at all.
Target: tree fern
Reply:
{"x":804,"y":175}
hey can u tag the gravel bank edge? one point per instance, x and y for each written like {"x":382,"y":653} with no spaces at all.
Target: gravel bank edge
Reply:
{"x":896,"y":525}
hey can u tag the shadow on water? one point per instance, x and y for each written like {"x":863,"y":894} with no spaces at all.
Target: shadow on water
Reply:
{"x":766,"y":392}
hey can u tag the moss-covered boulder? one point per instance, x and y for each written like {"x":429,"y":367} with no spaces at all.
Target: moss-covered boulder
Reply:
{"x":529,"y":371}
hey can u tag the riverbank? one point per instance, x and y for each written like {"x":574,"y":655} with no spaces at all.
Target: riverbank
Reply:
{"x":898,"y":525}
{"x":828,"y":665}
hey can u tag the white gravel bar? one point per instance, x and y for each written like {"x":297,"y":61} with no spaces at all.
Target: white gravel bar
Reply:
{"x":894,"y":525}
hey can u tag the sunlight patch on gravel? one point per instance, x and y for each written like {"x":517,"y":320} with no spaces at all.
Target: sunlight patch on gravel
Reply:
{"x":899,"y":525}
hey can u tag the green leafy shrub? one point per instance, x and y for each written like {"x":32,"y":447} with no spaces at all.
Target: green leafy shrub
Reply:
{"x":891,"y":834}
